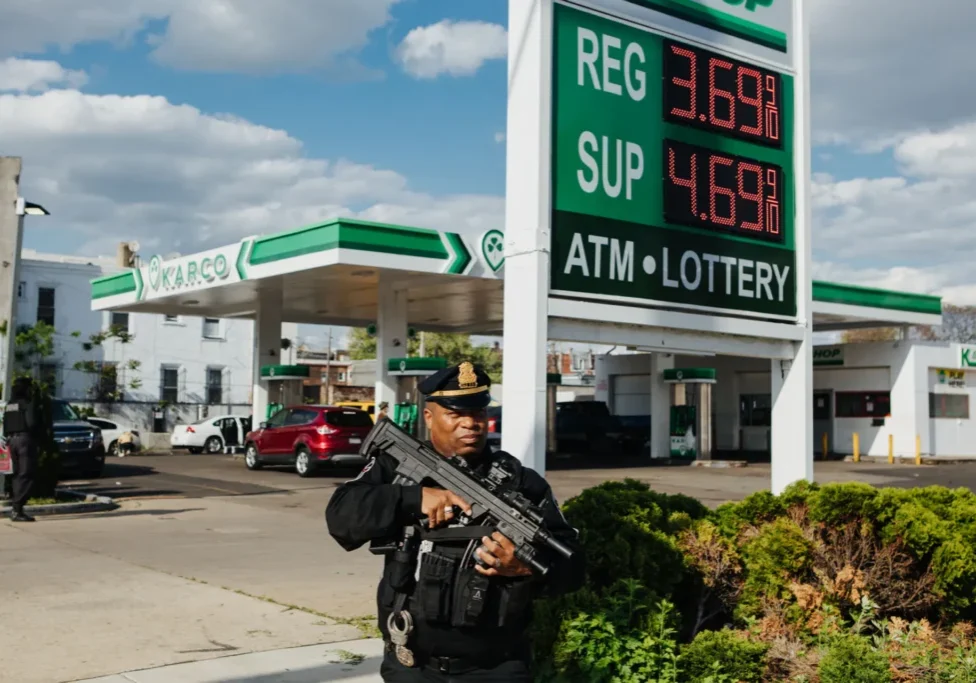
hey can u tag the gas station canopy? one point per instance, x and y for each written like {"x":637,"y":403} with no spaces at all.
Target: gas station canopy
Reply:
{"x":329,"y":275}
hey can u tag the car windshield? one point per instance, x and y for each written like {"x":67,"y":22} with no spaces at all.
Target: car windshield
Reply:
{"x":348,"y":418}
{"x":62,"y":412}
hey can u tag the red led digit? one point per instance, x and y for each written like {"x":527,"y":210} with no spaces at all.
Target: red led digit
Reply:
{"x":756,"y":101}
{"x":772,"y":111}
{"x":772,"y":203}
{"x":756,"y":196}
{"x":690,"y":183}
{"x":716,"y":189}
{"x":716,"y":92}
{"x":687,"y":83}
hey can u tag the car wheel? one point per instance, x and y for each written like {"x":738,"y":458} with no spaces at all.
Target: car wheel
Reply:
{"x":251,"y":459}
{"x":303,"y":462}
{"x":113,"y":449}
{"x":213,"y":445}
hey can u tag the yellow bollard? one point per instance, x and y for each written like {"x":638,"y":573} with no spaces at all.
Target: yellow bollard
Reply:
{"x":824,"y":441}
{"x":918,"y":449}
{"x":857,"y":447}
{"x":891,"y":449}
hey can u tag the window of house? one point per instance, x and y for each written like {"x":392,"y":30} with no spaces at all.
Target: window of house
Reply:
{"x":341,"y":377}
{"x":215,"y":386}
{"x":169,"y":384}
{"x":120,"y":320}
{"x":47,"y":374}
{"x":45,"y":305}
{"x":952,"y":406}
{"x":107,"y":382}
{"x":876,"y":404}
{"x":211,"y":328}
{"x":755,"y":410}
{"x":21,"y":290}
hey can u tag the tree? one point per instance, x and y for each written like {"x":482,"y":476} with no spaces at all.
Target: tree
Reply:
{"x":958,"y":325}
{"x":872,"y":334}
{"x":108,"y":384}
{"x":452,"y":347}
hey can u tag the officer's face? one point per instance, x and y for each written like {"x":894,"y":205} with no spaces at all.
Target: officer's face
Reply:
{"x":456,"y":432}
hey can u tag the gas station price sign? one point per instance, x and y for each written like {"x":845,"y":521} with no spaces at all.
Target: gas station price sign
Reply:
{"x":672,"y":162}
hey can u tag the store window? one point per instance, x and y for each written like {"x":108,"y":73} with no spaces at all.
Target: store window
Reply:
{"x":755,"y":410}
{"x":870,"y":404}
{"x":949,"y":406}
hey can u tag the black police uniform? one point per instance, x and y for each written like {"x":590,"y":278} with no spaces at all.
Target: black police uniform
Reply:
{"x":21,"y":427}
{"x":466,"y":626}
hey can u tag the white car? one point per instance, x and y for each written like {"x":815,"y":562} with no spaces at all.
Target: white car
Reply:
{"x":111,"y":431}
{"x":211,"y":434}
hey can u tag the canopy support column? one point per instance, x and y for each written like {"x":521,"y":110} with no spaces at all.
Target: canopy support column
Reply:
{"x":391,"y":340}
{"x":267,"y":347}
{"x":660,"y":406}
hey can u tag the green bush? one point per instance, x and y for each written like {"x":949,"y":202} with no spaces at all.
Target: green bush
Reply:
{"x":851,"y":659}
{"x":740,"y":658}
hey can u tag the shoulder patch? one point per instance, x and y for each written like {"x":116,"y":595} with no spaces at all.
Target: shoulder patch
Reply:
{"x":365,"y":470}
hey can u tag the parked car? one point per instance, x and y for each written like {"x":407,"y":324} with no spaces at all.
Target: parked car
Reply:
{"x":211,"y":434}
{"x":494,"y":437}
{"x":309,"y":438}
{"x":79,"y":443}
{"x":583,"y":427}
{"x":111,"y":431}
{"x":368,"y":406}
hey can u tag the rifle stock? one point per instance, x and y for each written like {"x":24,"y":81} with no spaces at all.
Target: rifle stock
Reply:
{"x":505,"y":510}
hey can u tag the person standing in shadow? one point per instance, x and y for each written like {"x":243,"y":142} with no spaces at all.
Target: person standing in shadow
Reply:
{"x":23,"y":428}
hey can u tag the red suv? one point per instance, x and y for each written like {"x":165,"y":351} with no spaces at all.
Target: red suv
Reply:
{"x":308,"y":437}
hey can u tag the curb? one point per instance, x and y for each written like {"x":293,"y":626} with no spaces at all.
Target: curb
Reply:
{"x":909,"y":460}
{"x":88,"y":502}
{"x":720,"y":464}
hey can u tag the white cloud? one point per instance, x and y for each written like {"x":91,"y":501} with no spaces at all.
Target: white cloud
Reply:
{"x":113,"y":168}
{"x":913,"y":231}
{"x":882,"y":67}
{"x":456,"y":48}
{"x":250,"y":36}
{"x":32,"y":75}
{"x":500,"y":137}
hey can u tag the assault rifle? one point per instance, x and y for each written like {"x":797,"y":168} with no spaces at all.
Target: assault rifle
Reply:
{"x":492,"y":504}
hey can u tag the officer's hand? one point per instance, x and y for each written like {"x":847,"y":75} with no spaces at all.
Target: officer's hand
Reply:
{"x":438,"y":506}
{"x":499,"y":554}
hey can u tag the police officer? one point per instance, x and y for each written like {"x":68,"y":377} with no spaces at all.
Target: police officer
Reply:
{"x":22,"y":428}
{"x":467,"y":596}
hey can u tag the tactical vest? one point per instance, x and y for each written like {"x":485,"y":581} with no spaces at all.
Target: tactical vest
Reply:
{"x":15,"y":418}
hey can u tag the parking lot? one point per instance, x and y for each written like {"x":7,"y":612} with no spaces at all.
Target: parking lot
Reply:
{"x":204,"y":558}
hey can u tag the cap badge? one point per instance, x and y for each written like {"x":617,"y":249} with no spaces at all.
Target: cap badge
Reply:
{"x":467,"y":379}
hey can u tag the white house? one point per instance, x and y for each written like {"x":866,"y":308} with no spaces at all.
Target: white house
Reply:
{"x":200,"y":365}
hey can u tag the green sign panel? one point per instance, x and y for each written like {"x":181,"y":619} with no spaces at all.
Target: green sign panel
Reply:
{"x":672,"y":172}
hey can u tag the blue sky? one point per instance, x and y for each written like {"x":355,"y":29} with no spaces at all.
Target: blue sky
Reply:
{"x":118,"y":107}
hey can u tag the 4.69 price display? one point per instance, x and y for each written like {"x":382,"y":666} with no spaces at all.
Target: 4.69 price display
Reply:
{"x":708,"y":189}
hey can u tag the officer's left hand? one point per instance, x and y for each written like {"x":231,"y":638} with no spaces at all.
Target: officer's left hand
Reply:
{"x":499,"y":554}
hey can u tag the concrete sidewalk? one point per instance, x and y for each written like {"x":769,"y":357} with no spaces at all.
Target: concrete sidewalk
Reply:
{"x":356,"y":661}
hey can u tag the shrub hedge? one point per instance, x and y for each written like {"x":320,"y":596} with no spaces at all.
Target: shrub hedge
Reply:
{"x":833,"y":583}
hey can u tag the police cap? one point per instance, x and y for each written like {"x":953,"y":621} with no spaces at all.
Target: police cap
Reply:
{"x":460,"y":387}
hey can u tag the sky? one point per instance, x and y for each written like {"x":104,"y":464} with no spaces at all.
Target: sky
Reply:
{"x":185,"y":125}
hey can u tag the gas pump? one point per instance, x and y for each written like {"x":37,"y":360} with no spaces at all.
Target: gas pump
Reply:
{"x":285,"y":384}
{"x":409,"y":406}
{"x":691,"y":412}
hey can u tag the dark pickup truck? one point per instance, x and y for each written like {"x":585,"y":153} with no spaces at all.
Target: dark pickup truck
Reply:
{"x":80,"y":443}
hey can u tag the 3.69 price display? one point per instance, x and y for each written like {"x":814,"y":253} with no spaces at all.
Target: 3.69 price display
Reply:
{"x":712,"y":92}
{"x":708,"y":189}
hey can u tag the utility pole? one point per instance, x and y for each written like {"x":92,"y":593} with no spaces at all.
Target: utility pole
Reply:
{"x":328,"y":371}
{"x":11,"y":240}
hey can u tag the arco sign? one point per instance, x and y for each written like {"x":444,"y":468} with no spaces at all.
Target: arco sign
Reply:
{"x":188,"y":273}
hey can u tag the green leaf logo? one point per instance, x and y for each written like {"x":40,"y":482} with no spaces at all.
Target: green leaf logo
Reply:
{"x":155,"y":271}
{"x":493,"y":249}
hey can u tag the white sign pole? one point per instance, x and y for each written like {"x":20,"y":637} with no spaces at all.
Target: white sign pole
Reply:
{"x":792,"y":382}
{"x":527,"y":223}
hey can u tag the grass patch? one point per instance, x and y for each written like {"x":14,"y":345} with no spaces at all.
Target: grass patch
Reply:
{"x":347,"y":657}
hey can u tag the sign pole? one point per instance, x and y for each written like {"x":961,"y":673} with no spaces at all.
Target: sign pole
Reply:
{"x":792,"y":381}
{"x":527,"y":218}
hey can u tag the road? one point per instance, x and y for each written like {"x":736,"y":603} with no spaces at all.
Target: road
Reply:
{"x":204,"y":558}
